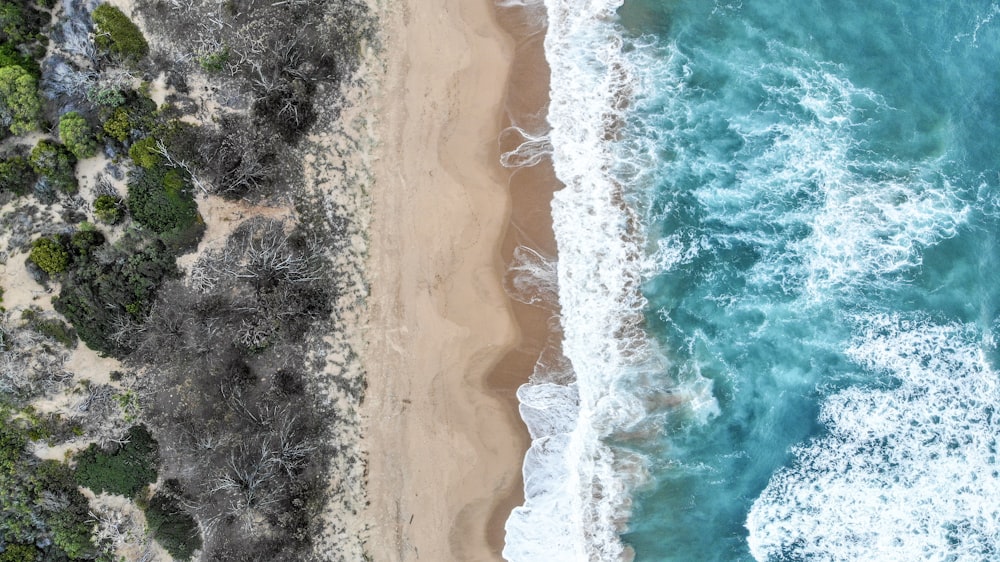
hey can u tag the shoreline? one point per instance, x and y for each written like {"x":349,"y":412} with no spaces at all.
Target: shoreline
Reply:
{"x":445,"y":443}
{"x":531,"y":189}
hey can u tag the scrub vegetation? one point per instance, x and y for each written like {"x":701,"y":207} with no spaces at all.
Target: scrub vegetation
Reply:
{"x":209,"y":429}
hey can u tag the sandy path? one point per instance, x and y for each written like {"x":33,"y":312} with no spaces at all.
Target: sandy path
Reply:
{"x":443,"y":448}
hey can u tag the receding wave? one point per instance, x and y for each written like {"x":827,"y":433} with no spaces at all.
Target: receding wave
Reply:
{"x":577,"y":488}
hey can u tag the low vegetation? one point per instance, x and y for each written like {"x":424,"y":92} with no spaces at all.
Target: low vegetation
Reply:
{"x":45,"y":517}
{"x":170,"y":524}
{"x":126,"y":470}
{"x":115,"y":33}
{"x":74,"y":132}
{"x":211,"y":426}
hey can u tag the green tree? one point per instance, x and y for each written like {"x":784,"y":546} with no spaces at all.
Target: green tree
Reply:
{"x":16,"y":175}
{"x":160,"y":198}
{"x":55,"y":163}
{"x":19,"y":103}
{"x":50,"y":255}
{"x":74,"y":132}
{"x":143,"y":153}
{"x":124,"y":472}
{"x":107,"y":209}
{"x":117,"y":34}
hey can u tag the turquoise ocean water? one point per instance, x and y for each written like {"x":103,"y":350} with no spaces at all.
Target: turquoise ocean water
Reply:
{"x":779,"y":279}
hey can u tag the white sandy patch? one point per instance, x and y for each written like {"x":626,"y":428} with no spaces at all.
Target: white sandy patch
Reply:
{"x":86,"y":364}
{"x":20,"y":291}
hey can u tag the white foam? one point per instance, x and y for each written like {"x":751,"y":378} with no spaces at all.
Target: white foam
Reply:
{"x":825,"y":212}
{"x":576,"y":487}
{"x":532,"y":278}
{"x":530,"y":151}
{"x":906,"y":473}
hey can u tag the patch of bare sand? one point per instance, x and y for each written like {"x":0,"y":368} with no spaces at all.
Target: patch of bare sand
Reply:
{"x":443,"y":448}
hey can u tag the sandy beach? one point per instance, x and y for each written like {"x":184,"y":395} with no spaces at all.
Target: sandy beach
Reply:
{"x":445,"y":445}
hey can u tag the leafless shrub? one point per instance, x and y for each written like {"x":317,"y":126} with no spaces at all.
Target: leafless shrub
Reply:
{"x":29,"y":366}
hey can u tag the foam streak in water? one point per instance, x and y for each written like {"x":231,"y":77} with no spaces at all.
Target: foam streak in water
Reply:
{"x":907,"y":473}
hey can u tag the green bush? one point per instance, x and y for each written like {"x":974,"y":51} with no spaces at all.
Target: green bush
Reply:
{"x":124,"y":472}
{"x":172,"y":527}
{"x":118,"y":126}
{"x":55,"y":329}
{"x":19,"y":103}
{"x":115,"y":33}
{"x":160,"y":199}
{"x":214,"y":62}
{"x":16,"y":175}
{"x":144,"y":154}
{"x":28,"y":487}
{"x":74,"y":132}
{"x":19,"y":553}
{"x":107,"y":209}
{"x":96,"y":296}
{"x":55,"y":163}
{"x":50,"y":255}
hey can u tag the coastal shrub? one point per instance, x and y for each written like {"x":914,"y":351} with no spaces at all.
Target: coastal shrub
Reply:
{"x":143,"y":153}
{"x":105,"y":97}
{"x":57,"y":330}
{"x":10,"y":55}
{"x":83,"y":243}
{"x":20,"y":22}
{"x":131,"y":117}
{"x":50,"y":255}
{"x":16,"y":175}
{"x":107,"y":209}
{"x":118,"y":126}
{"x":56,"y":164}
{"x":124,"y":471}
{"x":115,"y":33}
{"x":171,"y":526}
{"x":107,"y":299}
{"x":74,"y":132}
{"x":13,"y":24}
{"x":19,"y":553}
{"x":214,"y":62}
{"x":52,"y":328}
{"x":19,"y":102}
{"x":160,"y":199}
{"x":41,"y":503}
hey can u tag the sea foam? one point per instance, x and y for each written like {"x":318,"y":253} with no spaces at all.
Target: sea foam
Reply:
{"x":908,"y":472}
{"x":576,"y":486}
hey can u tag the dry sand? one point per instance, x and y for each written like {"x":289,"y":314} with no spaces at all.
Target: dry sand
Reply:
{"x":444,"y":448}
